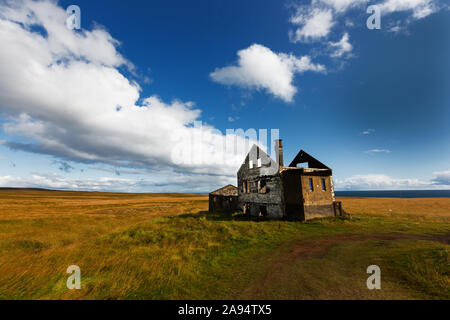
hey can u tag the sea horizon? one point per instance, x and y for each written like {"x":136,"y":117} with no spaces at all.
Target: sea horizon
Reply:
{"x":394,"y":193}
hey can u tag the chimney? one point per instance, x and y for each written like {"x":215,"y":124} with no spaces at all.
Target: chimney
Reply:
{"x":279,"y":152}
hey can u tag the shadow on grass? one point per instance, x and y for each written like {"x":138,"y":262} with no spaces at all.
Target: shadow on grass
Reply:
{"x":233,"y":216}
{"x":241,"y":217}
{"x":222,"y":216}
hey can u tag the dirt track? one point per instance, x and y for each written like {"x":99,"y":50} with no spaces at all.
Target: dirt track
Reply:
{"x":277,"y":267}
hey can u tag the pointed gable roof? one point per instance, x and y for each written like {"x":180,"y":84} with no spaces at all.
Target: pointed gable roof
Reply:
{"x":228,"y":190}
{"x":268,"y":165}
{"x":302,"y":157}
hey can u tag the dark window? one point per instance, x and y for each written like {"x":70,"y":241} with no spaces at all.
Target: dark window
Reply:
{"x":263,"y":211}
{"x":262,"y":186}
{"x":246,"y":186}
{"x":324,"y":186}
{"x":311,"y":185}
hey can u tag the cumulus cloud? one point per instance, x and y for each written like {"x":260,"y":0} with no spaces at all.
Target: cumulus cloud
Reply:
{"x":313,"y":24}
{"x":341,"y":47}
{"x":419,"y":8}
{"x":258,"y":67}
{"x":315,"y":21}
{"x":344,"y":5}
{"x":412,"y":10}
{"x":62,"y":92}
{"x":96,"y":46}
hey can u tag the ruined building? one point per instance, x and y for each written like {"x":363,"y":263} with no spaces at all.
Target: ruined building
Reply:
{"x":301,"y":191}
{"x":225,"y":199}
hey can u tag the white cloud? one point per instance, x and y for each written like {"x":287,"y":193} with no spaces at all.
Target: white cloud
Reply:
{"x":315,"y":21}
{"x":344,"y":5}
{"x":442,"y":178}
{"x":349,"y":23}
{"x":375,"y":151}
{"x":379,"y":181}
{"x":258,"y":67}
{"x":395,"y":28}
{"x":97,"y":46}
{"x":384,"y":182}
{"x":420,"y":8}
{"x":314,"y":24}
{"x":412,"y":10}
{"x":162,"y":182}
{"x":342,"y":47}
{"x":367,"y":132}
{"x":63,"y":91}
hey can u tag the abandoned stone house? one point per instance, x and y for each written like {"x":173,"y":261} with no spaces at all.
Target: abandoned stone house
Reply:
{"x":224,"y":199}
{"x":266,"y":187}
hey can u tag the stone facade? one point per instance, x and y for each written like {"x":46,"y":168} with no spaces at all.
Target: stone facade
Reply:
{"x":225,"y":199}
{"x":266,"y":188}
{"x":270,"y":189}
{"x":259,"y":185}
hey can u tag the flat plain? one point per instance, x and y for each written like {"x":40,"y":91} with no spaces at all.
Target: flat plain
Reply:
{"x":167,"y":246}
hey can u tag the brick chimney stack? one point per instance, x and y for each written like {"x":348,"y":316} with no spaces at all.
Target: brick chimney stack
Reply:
{"x":279,"y":152}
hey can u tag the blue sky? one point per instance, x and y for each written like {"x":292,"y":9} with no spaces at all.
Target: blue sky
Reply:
{"x":371,"y":104}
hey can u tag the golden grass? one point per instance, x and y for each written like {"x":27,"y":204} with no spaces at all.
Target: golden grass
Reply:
{"x":165,"y":246}
{"x":43,"y":232}
{"x":426,"y":208}
{"x":44,"y":204}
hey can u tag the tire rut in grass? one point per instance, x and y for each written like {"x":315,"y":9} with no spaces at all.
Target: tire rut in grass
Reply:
{"x":277,"y":266}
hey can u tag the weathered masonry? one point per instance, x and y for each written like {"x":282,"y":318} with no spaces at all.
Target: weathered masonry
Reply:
{"x":301,"y":191}
{"x":224,"y":199}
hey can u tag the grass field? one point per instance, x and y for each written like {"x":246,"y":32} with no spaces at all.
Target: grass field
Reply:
{"x":164,"y":246}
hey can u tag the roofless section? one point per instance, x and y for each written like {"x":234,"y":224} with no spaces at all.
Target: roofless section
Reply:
{"x":267,"y":188}
{"x":303,"y":157}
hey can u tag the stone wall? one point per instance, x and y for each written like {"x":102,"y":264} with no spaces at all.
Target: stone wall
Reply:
{"x":257,"y":200}
{"x":317,"y":202}
{"x":223,"y":203}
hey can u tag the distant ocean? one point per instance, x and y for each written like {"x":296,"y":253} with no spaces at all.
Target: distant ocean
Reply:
{"x":396,"y":194}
